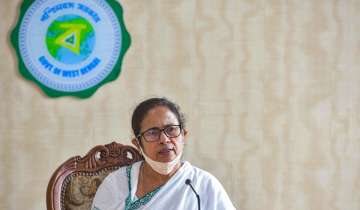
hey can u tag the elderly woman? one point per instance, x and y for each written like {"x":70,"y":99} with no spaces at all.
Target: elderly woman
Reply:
{"x":162,"y":180}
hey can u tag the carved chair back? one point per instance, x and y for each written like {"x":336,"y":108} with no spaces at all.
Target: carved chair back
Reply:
{"x":73,"y":185}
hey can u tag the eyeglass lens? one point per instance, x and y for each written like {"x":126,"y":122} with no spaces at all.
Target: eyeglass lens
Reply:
{"x":170,"y":131}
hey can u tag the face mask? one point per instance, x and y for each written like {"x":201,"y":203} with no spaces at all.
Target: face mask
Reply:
{"x":160,"y":167}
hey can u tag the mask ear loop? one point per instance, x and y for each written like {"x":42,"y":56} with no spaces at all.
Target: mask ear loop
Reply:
{"x":138,"y":144}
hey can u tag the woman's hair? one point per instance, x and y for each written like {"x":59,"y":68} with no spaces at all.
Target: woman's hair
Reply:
{"x":142,"y":109}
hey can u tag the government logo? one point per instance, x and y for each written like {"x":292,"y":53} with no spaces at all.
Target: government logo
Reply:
{"x":70,"y":47}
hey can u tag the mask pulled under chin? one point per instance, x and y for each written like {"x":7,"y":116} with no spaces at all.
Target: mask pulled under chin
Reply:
{"x":160,"y":167}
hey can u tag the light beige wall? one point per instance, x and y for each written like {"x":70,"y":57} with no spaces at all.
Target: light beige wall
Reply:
{"x":271,"y":90}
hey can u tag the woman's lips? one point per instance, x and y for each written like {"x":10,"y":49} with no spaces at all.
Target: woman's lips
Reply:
{"x":165,"y":151}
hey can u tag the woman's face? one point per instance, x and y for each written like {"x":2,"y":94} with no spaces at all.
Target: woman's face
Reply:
{"x":165,"y":149}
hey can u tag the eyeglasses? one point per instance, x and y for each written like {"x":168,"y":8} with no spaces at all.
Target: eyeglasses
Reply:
{"x":153,"y":134}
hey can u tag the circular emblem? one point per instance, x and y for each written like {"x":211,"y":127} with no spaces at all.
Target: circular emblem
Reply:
{"x":70,"y":47}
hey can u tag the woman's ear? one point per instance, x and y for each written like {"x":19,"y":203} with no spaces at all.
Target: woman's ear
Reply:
{"x":135,"y":142}
{"x":185,"y":132}
{"x":185,"y":135}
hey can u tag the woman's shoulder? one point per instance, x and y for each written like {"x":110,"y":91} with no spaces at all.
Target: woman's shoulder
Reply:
{"x":210,"y":188}
{"x":119,"y":175}
{"x":113,"y":190}
{"x":201,"y":174}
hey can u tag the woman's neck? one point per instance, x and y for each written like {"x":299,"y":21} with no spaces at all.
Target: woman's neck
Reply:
{"x":149,"y":179}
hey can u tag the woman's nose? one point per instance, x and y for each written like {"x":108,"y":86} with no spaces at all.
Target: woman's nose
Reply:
{"x":164,"y":138}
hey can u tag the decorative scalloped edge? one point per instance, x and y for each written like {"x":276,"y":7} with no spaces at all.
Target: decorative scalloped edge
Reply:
{"x":114,"y":74}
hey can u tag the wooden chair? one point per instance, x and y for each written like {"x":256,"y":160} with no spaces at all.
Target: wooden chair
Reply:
{"x":74,"y":183}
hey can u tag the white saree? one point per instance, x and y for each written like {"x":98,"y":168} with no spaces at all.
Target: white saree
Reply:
{"x":113,"y":193}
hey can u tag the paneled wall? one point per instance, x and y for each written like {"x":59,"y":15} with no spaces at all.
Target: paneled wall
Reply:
{"x":271,"y":90}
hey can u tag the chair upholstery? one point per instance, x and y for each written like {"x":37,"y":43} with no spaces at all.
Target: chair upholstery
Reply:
{"x":73,"y":185}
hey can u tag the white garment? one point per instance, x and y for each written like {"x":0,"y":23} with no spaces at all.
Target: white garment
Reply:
{"x":173,"y":195}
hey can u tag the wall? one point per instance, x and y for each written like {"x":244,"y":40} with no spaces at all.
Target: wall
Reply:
{"x":271,"y":90}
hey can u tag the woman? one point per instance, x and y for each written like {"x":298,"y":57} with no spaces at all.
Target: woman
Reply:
{"x":162,"y":181}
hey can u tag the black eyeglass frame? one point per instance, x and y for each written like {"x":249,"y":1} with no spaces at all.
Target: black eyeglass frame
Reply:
{"x":161,"y":130}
